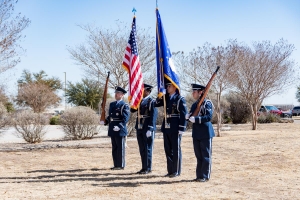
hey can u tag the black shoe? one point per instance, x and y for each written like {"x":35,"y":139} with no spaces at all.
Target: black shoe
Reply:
{"x":201,"y":179}
{"x":167,"y":175}
{"x":139,"y":172}
{"x":146,"y":172}
{"x":117,"y":168}
{"x":113,"y":168}
{"x":174,"y":175}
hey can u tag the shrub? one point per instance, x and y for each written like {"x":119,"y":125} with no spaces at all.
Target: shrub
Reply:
{"x":30,"y":126}
{"x":226,"y":119}
{"x":224,"y":108}
{"x":271,"y":118}
{"x":4,"y":119}
{"x":225,"y":113}
{"x":268,"y":118}
{"x":240,"y":111}
{"x":80,"y":123}
{"x":9,"y":107}
{"x":54,"y":120}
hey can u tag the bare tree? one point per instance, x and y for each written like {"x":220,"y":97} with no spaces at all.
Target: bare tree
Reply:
{"x":37,"y":96}
{"x":199,"y":65}
{"x":104,"y":51}
{"x":263,"y":70}
{"x":3,"y":97}
{"x":11,"y":28}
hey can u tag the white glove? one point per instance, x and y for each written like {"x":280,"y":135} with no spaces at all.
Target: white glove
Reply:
{"x":187,"y":116}
{"x":116,"y":128}
{"x":192,"y":119}
{"x":149,"y":133}
{"x":101,"y":122}
{"x":180,"y":132}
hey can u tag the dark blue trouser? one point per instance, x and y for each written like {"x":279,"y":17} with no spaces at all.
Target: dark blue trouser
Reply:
{"x":118,"y":150}
{"x":172,"y":147}
{"x":203,"y":150}
{"x":146,"y":148}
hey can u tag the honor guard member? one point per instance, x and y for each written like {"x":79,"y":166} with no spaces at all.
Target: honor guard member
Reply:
{"x":118,"y":117}
{"x":173,"y":128}
{"x":145,"y":129}
{"x":202,"y":134}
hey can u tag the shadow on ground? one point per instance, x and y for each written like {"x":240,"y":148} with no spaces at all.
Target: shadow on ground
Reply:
{"x":103,"y":179}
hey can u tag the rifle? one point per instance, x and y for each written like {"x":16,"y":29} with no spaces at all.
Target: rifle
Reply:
{"x":204,"y":94}
{"x":102,"y":118}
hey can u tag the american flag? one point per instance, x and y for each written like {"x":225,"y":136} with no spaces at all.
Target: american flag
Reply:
{"x":132,"y":65}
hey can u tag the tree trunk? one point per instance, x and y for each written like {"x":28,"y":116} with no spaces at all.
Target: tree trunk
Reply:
{"x":254,"y":116}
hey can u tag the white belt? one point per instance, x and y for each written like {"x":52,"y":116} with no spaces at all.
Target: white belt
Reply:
{"x":144,"y":116}
{"x":172,"y":115}
{"x":115,"y":120}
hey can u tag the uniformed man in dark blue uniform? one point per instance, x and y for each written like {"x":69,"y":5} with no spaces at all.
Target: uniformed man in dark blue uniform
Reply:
{"x":202,"y":134}
{"x":145,"y":129}
{"x":118,"y":117}
{"x":173,"y":128}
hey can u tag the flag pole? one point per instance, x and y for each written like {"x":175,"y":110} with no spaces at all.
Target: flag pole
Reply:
{"x":162,"y":72}
{"x":129,"y":97}
{"x":138,"y":108}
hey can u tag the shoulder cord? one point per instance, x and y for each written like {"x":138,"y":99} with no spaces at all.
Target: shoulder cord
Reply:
{"x":122,"y":108}
{"x":178,"y":103}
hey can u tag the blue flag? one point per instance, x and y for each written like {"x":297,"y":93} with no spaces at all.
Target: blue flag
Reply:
{"x":166,"y":71}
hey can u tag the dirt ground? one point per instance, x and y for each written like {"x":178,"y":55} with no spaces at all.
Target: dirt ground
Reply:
{"x":261,"y":164}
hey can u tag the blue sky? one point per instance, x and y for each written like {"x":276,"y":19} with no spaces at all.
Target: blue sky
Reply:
{"x":188,"y":24}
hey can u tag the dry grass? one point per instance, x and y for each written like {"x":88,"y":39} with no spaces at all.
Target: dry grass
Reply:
{"x":262,"y":164}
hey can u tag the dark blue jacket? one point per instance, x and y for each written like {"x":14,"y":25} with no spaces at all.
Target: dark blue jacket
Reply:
{"x":175,"y":106}
{"x":202,"y":128}
{"x":148,"y":113}
{"x":118,"y":116}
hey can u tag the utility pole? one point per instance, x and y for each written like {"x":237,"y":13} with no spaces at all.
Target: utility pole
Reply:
{"x":65,"y":90}
{"x":19,"y":85}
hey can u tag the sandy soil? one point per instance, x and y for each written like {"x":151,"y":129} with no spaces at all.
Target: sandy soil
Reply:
{"x":261,"y":164}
